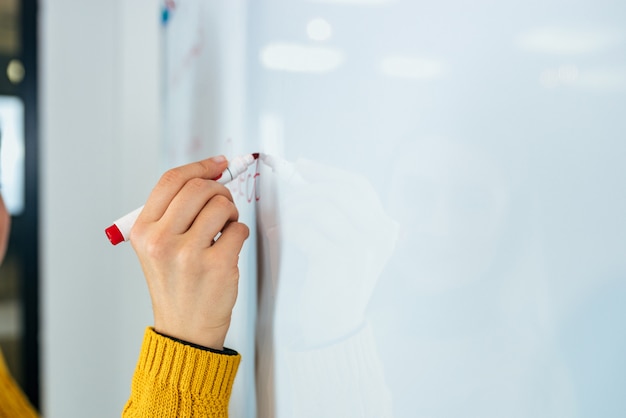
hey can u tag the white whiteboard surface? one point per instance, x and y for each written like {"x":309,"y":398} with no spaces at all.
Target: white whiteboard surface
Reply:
{"x":204,"y":115}
{"x":440,"y":232}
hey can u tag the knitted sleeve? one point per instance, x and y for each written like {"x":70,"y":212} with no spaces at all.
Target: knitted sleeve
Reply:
{"x":177,"y":380}
{"x":13,"y":402}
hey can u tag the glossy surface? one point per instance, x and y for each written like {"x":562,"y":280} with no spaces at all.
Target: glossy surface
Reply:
{"x":492,"y":134}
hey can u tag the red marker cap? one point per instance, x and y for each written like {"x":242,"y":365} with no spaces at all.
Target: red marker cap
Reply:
{"x":114,"y":234}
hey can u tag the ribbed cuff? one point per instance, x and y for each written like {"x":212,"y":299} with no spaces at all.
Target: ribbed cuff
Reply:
{"x":225,"y":351}
{"x":181,"y":366}
{"x":348,"y":375}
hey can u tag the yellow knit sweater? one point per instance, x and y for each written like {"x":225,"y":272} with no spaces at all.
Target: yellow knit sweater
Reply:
{"x":171,"y":380}
{"x":13,"y":403}
{"x":176,"y":380}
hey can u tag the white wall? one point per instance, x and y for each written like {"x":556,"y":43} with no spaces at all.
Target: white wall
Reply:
{"x":100,"y":131}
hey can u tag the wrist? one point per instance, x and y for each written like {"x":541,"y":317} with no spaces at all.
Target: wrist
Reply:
{"x":223,"y":351}
{"x":211,"y":338}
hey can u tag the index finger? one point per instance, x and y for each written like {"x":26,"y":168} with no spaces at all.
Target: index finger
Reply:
{"x":173,"y":180}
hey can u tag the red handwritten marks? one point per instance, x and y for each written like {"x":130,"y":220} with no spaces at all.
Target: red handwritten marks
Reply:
{"x":247,"y":185}
{"x":188,"y":59}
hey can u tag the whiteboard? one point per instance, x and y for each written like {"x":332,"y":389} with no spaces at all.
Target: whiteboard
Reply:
{"x":439,"y":215}
{"x":204,"y":115}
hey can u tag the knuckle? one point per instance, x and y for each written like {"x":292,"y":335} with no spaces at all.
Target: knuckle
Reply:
{"x":242,"y":230}
{"x":196,"y":184}
{"x":186,"y":256}
{"x":152,"y":244}
{"x":222,"y":200}
{"x":228,"y":194}
{"x":222,"y":203}
{"x":172,"y":176}
{"x":206,"y":165}
{"x":157,"y":246}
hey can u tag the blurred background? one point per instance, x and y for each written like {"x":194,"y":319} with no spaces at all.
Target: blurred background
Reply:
{"x":19,"y":173}
{"x":79,"y":82}
{"x":491,"y":133}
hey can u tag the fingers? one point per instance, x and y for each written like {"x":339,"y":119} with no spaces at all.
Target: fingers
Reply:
{"x":173,"y":181}
{"x":216,"y":215}
{"x":195,"y":203}
{"x":231,"y":241}
{"x":187,"y":202}
{"x":192,"y":281}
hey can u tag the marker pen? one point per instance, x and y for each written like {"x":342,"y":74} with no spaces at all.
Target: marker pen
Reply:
{"x":120,"y":230}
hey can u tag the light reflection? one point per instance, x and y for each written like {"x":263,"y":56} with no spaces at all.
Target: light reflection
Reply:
{"x":603,"y":79}
{"x":12,"y":153}
{"x":357,"y":2}
{"x":411,"y":67}
{"x":300,"y":58}
{"x":326,"y":238}
{"x":15,"y":71}
{"x":569,"y":41}
{"x":594,"y":79}
{"x":319,"y":30}
{"x":272,"y":133}
{"x":554,"y":77}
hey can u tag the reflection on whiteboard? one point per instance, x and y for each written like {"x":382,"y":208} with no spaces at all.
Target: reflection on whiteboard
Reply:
{"x":451,"y":201}
{"x":327,"y":239}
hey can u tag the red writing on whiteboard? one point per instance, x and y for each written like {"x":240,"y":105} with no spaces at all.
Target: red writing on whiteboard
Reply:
{"x":188,"y":59}
{"x":247,"y":186}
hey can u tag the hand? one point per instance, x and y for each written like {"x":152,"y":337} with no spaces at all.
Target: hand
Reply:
{"x":192,"y":278}
{"x":5,"y":224}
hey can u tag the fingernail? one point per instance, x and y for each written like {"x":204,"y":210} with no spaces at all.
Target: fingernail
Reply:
{"x":218,"y":159}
